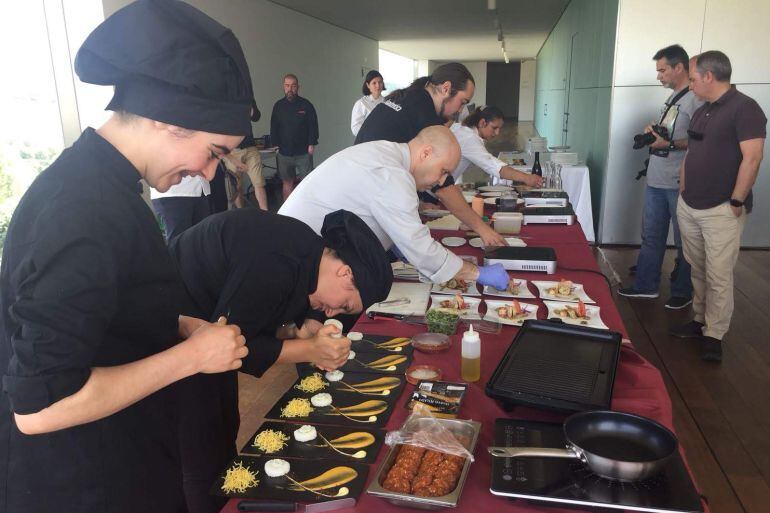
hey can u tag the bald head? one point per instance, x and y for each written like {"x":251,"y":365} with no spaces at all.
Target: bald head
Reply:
{"x":434,"y":154}
{"x":441,"y":139}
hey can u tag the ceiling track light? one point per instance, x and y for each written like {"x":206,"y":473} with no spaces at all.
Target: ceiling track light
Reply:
{"x":491,"y":5}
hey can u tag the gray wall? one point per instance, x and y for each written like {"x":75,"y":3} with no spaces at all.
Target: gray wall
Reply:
{"x":329,"y":61}
{"x":737,"y":28}
{"x":503,"y":87}
{"x":574,"y":76}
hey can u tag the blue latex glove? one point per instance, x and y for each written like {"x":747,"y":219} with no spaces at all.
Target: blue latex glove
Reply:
{"x":494,"y":275}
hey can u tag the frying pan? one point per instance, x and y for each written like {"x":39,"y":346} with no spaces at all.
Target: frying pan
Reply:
{"x":614,"y":445}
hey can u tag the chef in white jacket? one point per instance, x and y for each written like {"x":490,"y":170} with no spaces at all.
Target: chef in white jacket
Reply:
{"x":378,"y":181}
{"x":372,"y":88}
{"x":481,"y":125}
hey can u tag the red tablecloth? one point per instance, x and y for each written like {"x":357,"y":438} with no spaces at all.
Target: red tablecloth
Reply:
{"x":639,"y":387}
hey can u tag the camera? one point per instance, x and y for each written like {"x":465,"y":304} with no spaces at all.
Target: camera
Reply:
{"x":645,"y":139}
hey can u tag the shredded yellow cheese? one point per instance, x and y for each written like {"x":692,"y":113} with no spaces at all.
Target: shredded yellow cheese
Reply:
{"x":270,"y":441}
{"x":239,"y":478}
{"x":312,"y":383}
{"x":297,"y":407}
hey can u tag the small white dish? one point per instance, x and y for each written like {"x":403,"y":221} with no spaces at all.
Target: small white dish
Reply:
{"x":476,"y":242}
{"x":453,"y":242}
{"x":469,"y":196}
{"x":524,"y":292}
{"x":495,"y":188}
{"x":494,"y":304}
{"x":493,"y":194}
{"x":592,"y":311}
{"x":578,"y":293}
{"x":434,"y":212}
{"x":473,"y":289}
{"x":472,"y":312}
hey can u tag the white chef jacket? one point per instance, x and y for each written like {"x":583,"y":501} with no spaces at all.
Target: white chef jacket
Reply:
{"x":362,"y":108}
{"x":372,"y":180}
{"x":473,"y":151}
{"x":190,"y":186}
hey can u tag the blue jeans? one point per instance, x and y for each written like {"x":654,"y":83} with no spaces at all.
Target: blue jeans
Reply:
{"x":659,"y":209}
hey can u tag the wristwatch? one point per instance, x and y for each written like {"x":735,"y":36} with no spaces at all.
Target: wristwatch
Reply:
{"x":736,"y":203}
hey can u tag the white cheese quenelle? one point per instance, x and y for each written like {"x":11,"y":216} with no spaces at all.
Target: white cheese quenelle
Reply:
{"x":335,"y":375}
{"x":321,"y":400}
{"x":305,"y":433}
{"x":354,"y":336}
{"x":277,"y":468}
{"x":351,"y":355}
{"x":335,"y":322}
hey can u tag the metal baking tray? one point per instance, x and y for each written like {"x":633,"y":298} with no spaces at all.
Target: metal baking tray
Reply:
{"x":464,"y":430}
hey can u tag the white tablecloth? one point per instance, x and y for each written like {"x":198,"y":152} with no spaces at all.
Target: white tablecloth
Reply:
{"x":576,"y":183}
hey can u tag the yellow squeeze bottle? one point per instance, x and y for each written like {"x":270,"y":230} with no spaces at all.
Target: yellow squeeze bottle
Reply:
{"x":471,"y":356}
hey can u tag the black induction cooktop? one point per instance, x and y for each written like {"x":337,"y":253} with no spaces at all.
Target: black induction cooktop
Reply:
{"x":564,"y":481}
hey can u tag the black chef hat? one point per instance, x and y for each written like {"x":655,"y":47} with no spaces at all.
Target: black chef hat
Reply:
{"x":356,"y":244}
{"x":170,"y":62}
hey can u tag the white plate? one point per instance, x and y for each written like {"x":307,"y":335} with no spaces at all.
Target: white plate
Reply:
{"x":476,"y":242}
{"x":471,"y":313}
{"x":453,"y":242}
{"x":494,"y":194}
{"x":495,"y":188}
{"x":469,"y":196}
{"x":494,"y":304}
{"x":473,"y":289}
{"x":592,"y":311}
{"x":524,"y":292}
{"x":493,"y":201}
{"x":434,"y":212}
{"x":577,"y":293}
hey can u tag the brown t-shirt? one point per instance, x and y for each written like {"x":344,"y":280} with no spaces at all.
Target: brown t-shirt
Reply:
{"x":714,"y":152}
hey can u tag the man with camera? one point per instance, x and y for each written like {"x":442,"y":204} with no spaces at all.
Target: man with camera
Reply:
{"x":727,"y":137}
{"x":667,"y":141}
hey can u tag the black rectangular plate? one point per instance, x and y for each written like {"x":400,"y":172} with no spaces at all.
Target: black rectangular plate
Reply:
{"x":352,"y":379}
{"x":324,"y":415}
{"x":369,"y":345}
{"x":358,"y":364}
{"x":317,"y":449}
{"x":276,"y":488}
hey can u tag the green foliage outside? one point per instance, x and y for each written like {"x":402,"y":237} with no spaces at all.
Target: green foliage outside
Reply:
{"x":30,"y":161}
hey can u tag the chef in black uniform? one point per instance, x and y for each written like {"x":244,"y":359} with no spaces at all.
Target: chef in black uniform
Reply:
{"x":429,"y":101}
{"x":267,"y":271}
{"x":92,"y":337}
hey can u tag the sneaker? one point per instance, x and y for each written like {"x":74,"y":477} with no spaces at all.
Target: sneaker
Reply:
{"x":710,"y":349}
{"x":632,"y":292}
{"x":632,"y":270}
{"x":692,"y":329}
{"x":677,"y":302}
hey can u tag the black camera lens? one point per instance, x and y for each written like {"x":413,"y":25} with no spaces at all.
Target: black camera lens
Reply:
{"x":642,"y":140}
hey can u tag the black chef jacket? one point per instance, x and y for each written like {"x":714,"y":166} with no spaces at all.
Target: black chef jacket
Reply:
{"x":400,"y":122}
{"x":86,"y":281}
{"x":258,"y":269}
{"x":293,"y":126}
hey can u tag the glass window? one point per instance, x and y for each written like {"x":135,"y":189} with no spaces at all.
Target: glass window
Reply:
{"x":30,"y":126}
{"x":397,"y":71}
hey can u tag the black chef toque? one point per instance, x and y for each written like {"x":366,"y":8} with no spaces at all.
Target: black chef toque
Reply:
{"x":171,"y":63}
{"x":357,"y":246}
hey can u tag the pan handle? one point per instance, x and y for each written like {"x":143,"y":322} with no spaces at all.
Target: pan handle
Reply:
{"x":533,"y":452}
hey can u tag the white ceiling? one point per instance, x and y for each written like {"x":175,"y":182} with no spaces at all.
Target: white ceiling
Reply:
{"x":460,"y":30}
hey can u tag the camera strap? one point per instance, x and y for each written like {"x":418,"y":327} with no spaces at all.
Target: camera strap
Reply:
{"x":673,"y":101}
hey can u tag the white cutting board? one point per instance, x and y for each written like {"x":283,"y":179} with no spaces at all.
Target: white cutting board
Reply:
{"x":418,"y":294}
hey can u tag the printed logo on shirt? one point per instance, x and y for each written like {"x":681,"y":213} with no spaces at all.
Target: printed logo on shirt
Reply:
{"x":393,"y":106}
